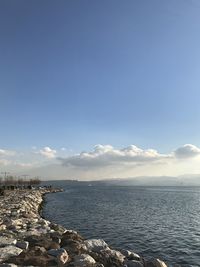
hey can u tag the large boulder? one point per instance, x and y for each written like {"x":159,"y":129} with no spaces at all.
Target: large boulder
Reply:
{"x":70,"y":235}
{"x":74,"y":247}
{"x":84,"y":260}
{"x":109,"y":257}
{"x":9,"y":251}
{"x":95,"y":245}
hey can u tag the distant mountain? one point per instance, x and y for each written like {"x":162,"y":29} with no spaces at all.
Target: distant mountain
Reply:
{"x":57,"y":172}
{"x":184,"y":180}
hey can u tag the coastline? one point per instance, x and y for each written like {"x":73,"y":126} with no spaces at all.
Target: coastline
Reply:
{"x":28,"y":239}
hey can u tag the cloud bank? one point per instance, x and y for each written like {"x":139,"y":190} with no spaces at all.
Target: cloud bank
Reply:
{"x":103,"y":161}
{"x":105,"y":155}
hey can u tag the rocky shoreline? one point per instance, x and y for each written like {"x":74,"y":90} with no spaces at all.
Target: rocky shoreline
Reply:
{"x":27,"y":239}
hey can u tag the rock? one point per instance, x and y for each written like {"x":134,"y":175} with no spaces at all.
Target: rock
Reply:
{"x":45,"y":244}
{"x":113,"y":256}
{"x":74,"y":247}
{"x":39,"y":250}
{"x":8,"y":265}
{"x":109,"y":257}
{"x":84,"y":260}
{"x":57,"y":228}
{"x":56,"y":237}
{"x":9,"y":251}
{"x":32,"y":232}
{"x":5,"y":241}
{"x":134,"y":256}
{"x":2,"y":227}
{"x":56,"y":240}
{"x":13,"y":227}
{"x":22,"y":244}
{"x":61,"y":255}
{"x":130,"y":255}
{"x":71,"y":231}
{"x":54,"y":245}
{"x":41,"y":261}
{"x":44,"y":222}
{"x":134,"y":263}
{"x":95,"y":245}
{"x":42,"y":241}
{"x":70,"y":235}
{"x":125,"y":252}
{"x":155,"y":263}
{"x":56,"y":252}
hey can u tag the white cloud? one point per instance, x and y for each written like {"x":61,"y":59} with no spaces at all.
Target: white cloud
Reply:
{"x":48,"y":152}
{"x":104,"y":161}
{"x":105,"y":155}
{"x":4,"y":152}
{"x":187,"y":151}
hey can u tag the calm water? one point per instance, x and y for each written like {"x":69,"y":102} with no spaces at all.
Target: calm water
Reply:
{"x":154,"y":222}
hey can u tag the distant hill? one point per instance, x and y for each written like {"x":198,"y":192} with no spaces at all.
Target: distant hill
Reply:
{"x":184,"y":180}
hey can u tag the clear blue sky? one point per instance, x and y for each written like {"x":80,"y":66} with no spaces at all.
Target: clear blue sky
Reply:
{"x":76,"y":73}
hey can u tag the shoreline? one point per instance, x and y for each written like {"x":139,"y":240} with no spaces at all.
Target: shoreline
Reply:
{"x":28,"y":239}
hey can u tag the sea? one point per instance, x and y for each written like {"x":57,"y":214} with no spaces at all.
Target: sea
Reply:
{"x":160,"y":222}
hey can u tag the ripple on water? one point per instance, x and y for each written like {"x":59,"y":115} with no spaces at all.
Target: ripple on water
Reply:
{"x":154,"y":222}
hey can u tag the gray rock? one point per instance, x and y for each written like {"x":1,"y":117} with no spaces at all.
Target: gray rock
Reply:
{"x":58,"y":228}
{"x":9,"y":251}
{"x":5,"y":241}
{"x":56,"y":252}
{"x":84,"y":260}
{"x":130,"y":255}
{"x":22,"y":244}
{"x":95,"y":245}
{"x":111,"y":255}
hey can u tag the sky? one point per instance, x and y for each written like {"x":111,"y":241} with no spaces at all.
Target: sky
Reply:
{"x":99,"y":89}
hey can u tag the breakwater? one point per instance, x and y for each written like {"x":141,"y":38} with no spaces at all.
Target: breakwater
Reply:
{"x":27,"y":239}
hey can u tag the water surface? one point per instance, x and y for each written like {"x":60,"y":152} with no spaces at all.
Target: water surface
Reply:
{"x":161,"y":222}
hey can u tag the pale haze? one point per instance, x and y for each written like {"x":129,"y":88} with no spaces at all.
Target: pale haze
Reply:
{"x":96,"y":90}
